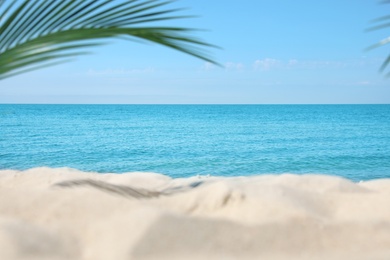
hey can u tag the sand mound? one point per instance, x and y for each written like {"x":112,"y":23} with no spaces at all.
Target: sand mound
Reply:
{"x":67,"y":214}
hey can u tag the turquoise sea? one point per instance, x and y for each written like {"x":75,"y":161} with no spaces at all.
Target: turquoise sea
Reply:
{"x":352,"y":141}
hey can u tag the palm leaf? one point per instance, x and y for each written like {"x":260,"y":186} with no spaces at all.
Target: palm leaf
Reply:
{"x":36,"y":34}
{"x":378,"y":24}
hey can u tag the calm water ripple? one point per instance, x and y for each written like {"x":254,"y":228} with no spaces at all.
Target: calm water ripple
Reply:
{"x":184,"y":140}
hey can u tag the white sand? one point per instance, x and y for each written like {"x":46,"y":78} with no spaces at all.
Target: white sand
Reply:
{"x":67,"y":214}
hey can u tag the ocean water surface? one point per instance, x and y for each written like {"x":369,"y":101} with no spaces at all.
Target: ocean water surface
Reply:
{"x":352,"y":141}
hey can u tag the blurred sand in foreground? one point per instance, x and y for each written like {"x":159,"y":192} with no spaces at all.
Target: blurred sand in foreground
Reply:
{"x":67,"y":214}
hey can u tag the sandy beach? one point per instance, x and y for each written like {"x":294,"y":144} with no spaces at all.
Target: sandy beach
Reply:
{"x":68,"y":214}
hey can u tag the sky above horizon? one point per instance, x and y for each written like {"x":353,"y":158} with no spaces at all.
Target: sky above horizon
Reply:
{"x":272,"y":52}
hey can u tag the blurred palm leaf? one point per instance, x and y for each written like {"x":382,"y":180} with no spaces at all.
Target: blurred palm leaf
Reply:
{"x":40,"y":33}
{"x":381,"y":23}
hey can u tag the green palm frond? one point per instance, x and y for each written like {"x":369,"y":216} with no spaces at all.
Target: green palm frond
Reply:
{"x":381,"y":23}
{"x":40,"y":33}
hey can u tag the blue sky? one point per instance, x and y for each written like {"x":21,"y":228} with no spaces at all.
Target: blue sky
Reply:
{"x":273,"y":52}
